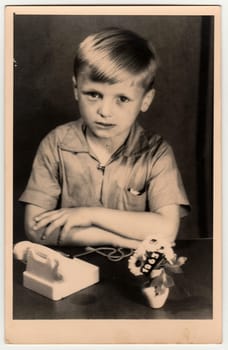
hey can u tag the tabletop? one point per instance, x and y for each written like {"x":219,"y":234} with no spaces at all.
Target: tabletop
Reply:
{"x":118,"y":295}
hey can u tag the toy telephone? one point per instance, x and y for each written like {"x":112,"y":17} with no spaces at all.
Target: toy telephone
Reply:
{"x":51,"y":274}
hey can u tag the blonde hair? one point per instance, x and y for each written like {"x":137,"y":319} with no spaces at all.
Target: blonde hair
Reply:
{"x":112,"y":52}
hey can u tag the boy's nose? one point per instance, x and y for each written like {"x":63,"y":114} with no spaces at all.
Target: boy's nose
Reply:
{"x":104,"y":109}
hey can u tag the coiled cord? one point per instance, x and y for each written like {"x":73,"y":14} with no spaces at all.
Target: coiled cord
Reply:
{"x":112,"y":254}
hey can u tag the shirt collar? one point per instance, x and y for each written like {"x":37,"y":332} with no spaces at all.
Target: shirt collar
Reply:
{"x":75,"y":141}
{"x":137,"y":141}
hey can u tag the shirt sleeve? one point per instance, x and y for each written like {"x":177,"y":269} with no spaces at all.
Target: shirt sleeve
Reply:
{"x":165,"y":186}
{"x":43,"y":188}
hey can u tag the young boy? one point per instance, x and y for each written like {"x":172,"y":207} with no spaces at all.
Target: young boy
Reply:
{"x":100,"y":179}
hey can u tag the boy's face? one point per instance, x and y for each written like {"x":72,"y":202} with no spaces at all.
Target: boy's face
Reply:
{"x":109,"y":110}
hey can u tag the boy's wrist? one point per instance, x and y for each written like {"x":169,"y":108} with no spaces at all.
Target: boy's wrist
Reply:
{"x":94,"y":215}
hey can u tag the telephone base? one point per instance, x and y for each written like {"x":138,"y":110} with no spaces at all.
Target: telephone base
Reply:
{"x":83,"y":275}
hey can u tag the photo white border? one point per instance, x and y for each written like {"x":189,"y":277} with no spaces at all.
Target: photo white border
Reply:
{"x":216,"y":131}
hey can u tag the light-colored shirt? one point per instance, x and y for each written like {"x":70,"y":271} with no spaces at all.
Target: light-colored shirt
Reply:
{"x":142,"y":175}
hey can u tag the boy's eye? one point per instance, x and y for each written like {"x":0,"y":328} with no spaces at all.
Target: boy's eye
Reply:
{"x":123,"y":99}
{"x":93,"y":95}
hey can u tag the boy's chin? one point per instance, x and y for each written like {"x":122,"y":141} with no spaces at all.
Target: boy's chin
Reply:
{"x":101,"y":133}
{"x":111,"y":136}
{"x":104,"y":133}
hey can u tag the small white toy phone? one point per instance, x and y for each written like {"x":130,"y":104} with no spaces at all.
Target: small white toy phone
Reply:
{"x":51,"y":274}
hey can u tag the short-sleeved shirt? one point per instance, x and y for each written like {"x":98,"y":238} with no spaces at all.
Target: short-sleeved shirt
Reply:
{"x":142,"y":175}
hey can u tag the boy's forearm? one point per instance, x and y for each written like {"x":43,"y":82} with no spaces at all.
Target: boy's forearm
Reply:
{"x":88,"y":235}
{"x":84,"y":236}
{"x":94,"y":236}
{"x":96,"y":226}
{"x":138,"y":225}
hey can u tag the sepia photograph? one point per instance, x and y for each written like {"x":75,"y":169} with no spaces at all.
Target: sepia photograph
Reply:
{"x":113,"y":172}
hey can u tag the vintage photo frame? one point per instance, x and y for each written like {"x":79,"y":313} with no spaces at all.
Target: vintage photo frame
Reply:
{"x":194,"y":330}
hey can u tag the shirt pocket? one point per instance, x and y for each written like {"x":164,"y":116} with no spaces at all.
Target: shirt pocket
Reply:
{"x":132,"y":199}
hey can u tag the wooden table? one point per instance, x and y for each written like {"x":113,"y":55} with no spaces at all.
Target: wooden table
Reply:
{"x":118,"y":294}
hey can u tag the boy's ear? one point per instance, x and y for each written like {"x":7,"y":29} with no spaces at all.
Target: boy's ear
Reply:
{"x":75,"y":88}
{"x":147,"y":100}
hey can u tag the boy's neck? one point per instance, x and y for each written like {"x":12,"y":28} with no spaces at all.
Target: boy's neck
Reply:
{"x":103,"y":148}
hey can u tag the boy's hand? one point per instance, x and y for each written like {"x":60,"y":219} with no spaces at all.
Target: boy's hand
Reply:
{"x":65,"y":218}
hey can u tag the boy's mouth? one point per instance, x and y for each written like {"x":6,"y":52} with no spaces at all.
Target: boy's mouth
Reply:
{"x":105,"y":125}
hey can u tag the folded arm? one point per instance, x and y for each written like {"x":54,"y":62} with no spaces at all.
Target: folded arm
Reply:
{"x":103,"y":222}
{"x":163,"y":223}
{"x":78,"y":236}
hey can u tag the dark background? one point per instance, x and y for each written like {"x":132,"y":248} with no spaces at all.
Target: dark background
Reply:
{"x":182,"y":112}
